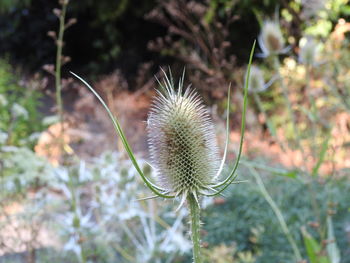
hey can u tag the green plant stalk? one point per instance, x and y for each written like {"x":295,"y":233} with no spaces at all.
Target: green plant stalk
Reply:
{"x":195,"y":227}
{"x":335,"y":90}
{"x":308,"y":87}
{"x":269,"y":123}
{"x":58,"y":67}
{"x":123,"y":253}
{"x":82,"y":253}
{"x":289,"y":105}
{"x":313,"y":110}
{"x":10,"y":129}
{"x":278,"y":214}
{"x":314,"y":172}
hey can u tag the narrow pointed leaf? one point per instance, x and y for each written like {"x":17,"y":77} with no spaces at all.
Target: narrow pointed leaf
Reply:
{"x":332,"y":248}
{"x":232,"y":176}
{"x":126,"y":145}
{"x":313,"y":248}
{"x":227,"y":132}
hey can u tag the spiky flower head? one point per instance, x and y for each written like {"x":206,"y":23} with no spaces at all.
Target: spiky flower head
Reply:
{"x":257,"y":82}
{"x":182,"y":141}
{"x":271,"y":39}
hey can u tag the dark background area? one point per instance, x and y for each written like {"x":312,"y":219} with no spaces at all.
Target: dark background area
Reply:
{"x":108,"y":34}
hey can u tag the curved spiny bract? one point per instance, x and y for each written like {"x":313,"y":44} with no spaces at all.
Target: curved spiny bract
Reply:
{"x":182,"y":142}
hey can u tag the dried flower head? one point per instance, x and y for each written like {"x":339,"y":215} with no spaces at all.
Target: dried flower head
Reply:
{"x":308,"y":51}
{"x":182,"y":141}
{"x":256,"y":83}
{"x":271,"y":39}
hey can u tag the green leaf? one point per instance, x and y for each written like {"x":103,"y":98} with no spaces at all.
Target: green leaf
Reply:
{"x":291,"y":174}
{"x":313,"y":248}
{"x":126,"y":145}
{"x":322,"y":155}
{"x":345,"y":10}
{"x":271,"y":128}
{"x":274,"y":170}
{"x":233,"y":175}
{"x":332,"y":248}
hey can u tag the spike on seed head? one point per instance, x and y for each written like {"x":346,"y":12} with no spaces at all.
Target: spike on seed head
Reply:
{"x":182,"y":141}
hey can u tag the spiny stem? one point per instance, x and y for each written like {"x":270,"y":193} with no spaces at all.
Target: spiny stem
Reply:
{"x":195,"y":227}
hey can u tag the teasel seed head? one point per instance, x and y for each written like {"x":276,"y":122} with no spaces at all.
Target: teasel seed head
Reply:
{"x":182,"y":141}
{"x":271,"y":39}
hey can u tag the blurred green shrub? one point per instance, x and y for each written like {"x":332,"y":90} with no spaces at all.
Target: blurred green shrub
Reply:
{"x":19,"y":116}
{"x":107,"y":33}
{"x":246,"y":219}
{"x":8,"y":5}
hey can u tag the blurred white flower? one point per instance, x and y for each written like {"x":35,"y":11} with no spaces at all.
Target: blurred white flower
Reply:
{"x":3,"y":137}
{"x":3,"y":101}
{"x":50,"y":120}
{"x":73,"y":245}
{"x":257,"y":82}
{"x":25,"y":166}
{"x":18,"y":111}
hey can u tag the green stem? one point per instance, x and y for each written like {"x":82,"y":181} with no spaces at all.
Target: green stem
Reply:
{"x":289,"y":105}
{"x":74,"y":204}
{"x":258,"y":103}
{"x":278,"y":214}
{"x":313,"y":110}
{"x":269,"y":123}
{"x":82,"y":254}
{"x":195,"y":227}
{"x":59,"y":44}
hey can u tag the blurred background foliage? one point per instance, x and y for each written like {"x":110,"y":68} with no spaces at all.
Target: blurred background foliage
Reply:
{"x":19,"y":102}
{"x":109,"y":33}
{"x":118,"y":34}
